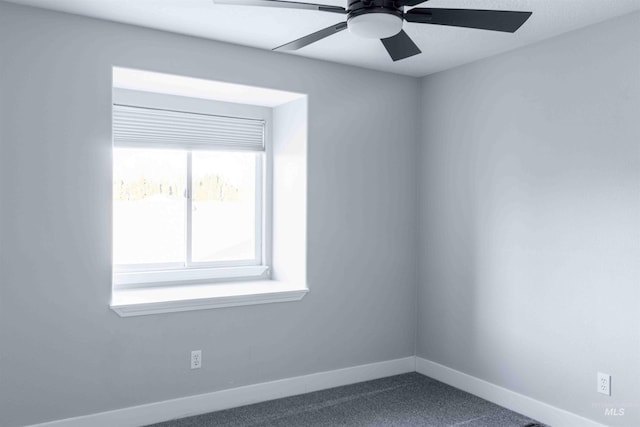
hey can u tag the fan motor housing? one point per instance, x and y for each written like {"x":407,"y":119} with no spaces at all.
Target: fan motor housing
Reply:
{"x":355,"y":5}
{"x":376,"y":19}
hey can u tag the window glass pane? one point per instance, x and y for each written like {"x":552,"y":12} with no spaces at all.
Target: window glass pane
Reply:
{"x":224,"y":206}
{"x":149,"y":214}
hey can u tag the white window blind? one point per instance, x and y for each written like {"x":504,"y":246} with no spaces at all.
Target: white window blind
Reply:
{"x":135,"y":126}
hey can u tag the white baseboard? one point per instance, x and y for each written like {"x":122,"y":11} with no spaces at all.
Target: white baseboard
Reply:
{"x":136,"y":416}
{"x":224,"y":399}
{"x":517,"y":402}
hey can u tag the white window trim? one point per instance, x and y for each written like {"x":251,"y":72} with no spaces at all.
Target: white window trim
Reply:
{"x":163,"y":277}
{"x":285,"y":253}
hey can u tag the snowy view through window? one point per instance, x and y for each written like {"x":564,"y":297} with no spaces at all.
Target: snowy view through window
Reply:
{"x":151,"y":222}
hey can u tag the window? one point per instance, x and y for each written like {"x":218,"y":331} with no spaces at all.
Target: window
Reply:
{"x":188,"y":201}
{"x":209,"y":194}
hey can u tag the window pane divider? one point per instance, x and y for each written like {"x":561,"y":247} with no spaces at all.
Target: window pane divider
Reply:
{"x":189,"y":207}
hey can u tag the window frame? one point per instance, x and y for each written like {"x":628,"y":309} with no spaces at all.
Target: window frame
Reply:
{"x":131,"y":276}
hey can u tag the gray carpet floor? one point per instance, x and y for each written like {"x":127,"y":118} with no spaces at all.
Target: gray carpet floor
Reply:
{"x":402,"y":400}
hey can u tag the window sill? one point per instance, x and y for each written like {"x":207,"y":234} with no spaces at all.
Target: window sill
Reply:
{"x":168,"y":299}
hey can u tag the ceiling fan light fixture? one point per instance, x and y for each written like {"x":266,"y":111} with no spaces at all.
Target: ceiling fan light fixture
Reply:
{"x":375,"y":24}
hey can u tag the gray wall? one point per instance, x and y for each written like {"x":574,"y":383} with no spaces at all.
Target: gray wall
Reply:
{"x":529,"y":223}
{"x":530,"y":220}
{"x":62,"y":351}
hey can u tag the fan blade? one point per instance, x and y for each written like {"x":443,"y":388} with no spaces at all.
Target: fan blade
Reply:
{"x":400,"y":46}
{"x":313,"y":37}
{"x":284,"y":4}
{"x":495,"y":20}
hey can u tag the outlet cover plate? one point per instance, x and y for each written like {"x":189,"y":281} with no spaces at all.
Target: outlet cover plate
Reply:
{"x":196,"y":359}
{"x":604,"y":384}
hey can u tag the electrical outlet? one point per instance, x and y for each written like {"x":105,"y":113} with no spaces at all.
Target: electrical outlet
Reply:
{"x":196,"y":359}
{"x":604,"y":383}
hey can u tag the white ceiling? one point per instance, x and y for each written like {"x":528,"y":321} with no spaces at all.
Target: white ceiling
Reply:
{"x":442,"y":47}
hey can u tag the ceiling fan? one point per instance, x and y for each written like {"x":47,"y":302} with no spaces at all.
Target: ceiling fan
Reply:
{"x":383,"y":19}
